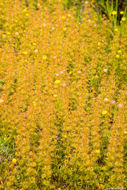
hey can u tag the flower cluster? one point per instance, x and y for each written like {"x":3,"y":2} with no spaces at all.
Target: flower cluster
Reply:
{"x":63,"y":94}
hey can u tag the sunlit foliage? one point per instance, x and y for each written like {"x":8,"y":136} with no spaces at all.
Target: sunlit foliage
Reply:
{"x":63,"y":98}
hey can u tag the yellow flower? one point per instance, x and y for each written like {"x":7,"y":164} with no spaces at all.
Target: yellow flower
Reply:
{"x":44,"y":57}
{"x":64,"y":29}
{"x":63,"y":17}
{"x":57,"y":82}
{"x":123,"y":18}
{"x":117,"y":56}
{"x":99,"y":43}
{"x":14,"y":161}
{"x":119,"y":51}
{"x":97,"y":151}
{"x":25,"y":53}
{"x":104,"y":112}
{"x":46,"y":182}
{"x":17,"y":154}
{"x":25,"y":10}
{"x":8,"y":33}
{"x":55,"y":95}
{"x":32,"y":179}
{"x":31,"y":153}
{"x":121,"y":12}
{"x":27,"y":14}
{"x":43,"y":176}
{"x":114,"y":13}
{"x":65,"y":136}
{"x":116,"y":29}
{"x":4,"y":36}
{"x":34,"y":103}
{"x":33,"y":164}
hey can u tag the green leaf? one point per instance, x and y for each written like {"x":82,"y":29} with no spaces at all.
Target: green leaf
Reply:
{"x":2,"y":82}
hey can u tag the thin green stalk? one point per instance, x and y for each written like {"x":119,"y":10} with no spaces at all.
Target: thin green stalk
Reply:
{"x":116,"y":8}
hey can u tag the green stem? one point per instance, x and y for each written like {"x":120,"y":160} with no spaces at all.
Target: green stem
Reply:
{"x":116,"y":8}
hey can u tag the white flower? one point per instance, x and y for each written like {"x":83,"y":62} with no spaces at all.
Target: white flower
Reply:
{"x":1,"y":100}
{"x":64,"y":84}
{"x":61,"y":72}
{"x":16,"y":33}
{"x":105,"y":70}
{"x":120,"y":105}
{"x":106,"y":99}
{"x":113,"y":102}
{"x":36,"y":50}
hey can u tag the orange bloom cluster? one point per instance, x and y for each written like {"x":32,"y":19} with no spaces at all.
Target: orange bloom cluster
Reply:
{"x":63,"y":94}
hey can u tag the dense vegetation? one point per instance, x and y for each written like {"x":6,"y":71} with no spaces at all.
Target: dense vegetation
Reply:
{"x":63,"y":96}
